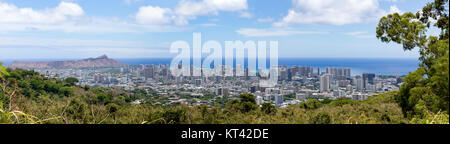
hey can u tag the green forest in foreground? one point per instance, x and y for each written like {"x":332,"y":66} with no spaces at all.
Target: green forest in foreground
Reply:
{"x":28,"y":97}
{"x":423,"y":98}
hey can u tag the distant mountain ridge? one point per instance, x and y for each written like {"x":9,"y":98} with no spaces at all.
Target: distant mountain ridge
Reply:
{"x":101,"y":61}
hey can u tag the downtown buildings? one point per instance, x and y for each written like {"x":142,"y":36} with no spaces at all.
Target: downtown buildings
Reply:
{"x":295,"y":83}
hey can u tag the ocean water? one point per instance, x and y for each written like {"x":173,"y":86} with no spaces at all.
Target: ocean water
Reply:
{"x":379,"y":66}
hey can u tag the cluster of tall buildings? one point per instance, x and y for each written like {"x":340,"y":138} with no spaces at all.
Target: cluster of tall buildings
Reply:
{"x":154,"y":71}
{"x":297,"y":82}
{"x":365,"y":82}
{"x":339,"y":73}
{"x":285,"y":73}
{"x":334,"y":77}
{"x":340,"y":77}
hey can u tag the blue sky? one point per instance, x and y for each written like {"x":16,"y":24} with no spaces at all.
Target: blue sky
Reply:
{"x":55,"y":29}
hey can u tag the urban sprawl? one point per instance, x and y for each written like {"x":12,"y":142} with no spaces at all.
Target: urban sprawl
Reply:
{"x":295,"y":84}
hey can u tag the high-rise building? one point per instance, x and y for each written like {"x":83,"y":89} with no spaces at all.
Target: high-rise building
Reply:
{"x":148,"y":71}
{"x":325,"y":83}
{"x":278,"y":99}
{"x":141,"y":67}
{"x":306,"y":71}
{"x":283,"y":72}
{"x":198,"y":82}
{"x":318,"y":71}
{"x":359,"y":84}
{"x":253,"y":89}
{"x":292,"y":71}
{"x":368,"y":78}
{"x":339,"y":73}
{"x":223,"y":91}
{"x":246,"y":72}
{"x":300,"y":71}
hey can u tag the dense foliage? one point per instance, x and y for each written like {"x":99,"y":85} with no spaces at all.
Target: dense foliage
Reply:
{"x":425,"y":90}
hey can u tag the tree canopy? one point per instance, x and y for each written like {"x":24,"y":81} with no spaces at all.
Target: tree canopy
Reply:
{"x":425,"y":89}
{"x":71,"y":81}
{"x":3,"y":71}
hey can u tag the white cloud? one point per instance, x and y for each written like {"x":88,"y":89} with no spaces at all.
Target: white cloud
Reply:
{"x":246,"y":15}
{"x":209,"y":24}
{"x":187,"y":10}
{"x":61,"y":42}
{"x":90,"y":25}
{"x":394,"y":9}
{"x":153,"y":15}
{"x":192,"y":8}
{"x":65,"y":48}
{"x":70,"y":17}
{"x":360,"y":34}
{"x":335,"y":12}
{"x":356,"y":33}
{"x":157,"y":16}
{"x":209,"y":7}
{"x":381,"y":13}
{"x":252,"y":32}
{"x":214,"y":19}
{"x":263,"y":20}
{"x":129,"y":2}
{"x":65,"y":11}
{"x":228,"y":5}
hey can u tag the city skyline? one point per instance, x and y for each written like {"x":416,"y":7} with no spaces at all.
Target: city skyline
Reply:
{"x":294,"y":84}
{"x":145,"y":29}
{"x":359,"y":65}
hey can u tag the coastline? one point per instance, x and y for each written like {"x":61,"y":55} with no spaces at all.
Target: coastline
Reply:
{"x":379,"y":66}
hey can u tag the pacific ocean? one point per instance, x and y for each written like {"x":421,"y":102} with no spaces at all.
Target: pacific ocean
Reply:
{"x":379,"y":66}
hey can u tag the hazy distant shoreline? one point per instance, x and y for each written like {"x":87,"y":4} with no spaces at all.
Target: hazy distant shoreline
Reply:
{"x":380,"y":66}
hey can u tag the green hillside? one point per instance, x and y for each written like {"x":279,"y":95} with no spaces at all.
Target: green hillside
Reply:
{"x":28,"y":97}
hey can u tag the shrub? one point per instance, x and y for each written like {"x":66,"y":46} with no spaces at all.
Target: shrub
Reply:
{"x":112,"y":107}
{"x":268,"y":108}
{"x":321,"y":118}
{"x":342,"y":102}
{"x":66,"y":91}
{"x":174,"y":116}
{"x":311,"y":104}
{"x":248,"y":98}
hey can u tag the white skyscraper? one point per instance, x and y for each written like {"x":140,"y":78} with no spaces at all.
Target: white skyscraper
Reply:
{"x":359,"y":84}
{"x":278,"y":99}
{"x":325,"y":83}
